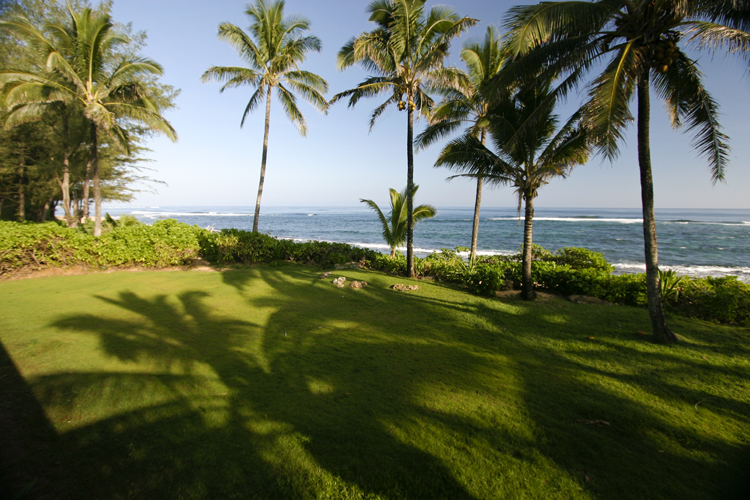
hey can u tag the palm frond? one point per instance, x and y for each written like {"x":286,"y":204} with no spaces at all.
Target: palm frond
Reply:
{"x":386,"y":228}
{"x":437,"y":131}
{"x":715,"y":37}
{"x":254,"y":102}
{"x":234,"y":76}
{"x":529,"y":26}
{"x":371,"y":87}
{"x":700,"y":113}
{"x":608,"y":106}
{"x":289,"y":103}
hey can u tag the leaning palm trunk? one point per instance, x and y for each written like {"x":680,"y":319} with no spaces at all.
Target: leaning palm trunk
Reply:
{"x":477,"y":205}
{"x":410,"y":190}
{"x":662,"y":333}
{"x":263,"y":160}
{"x":475,"y":226}
{"x":527,"y":282}
{"x":65,"y":189}
{"x":70,"y":220}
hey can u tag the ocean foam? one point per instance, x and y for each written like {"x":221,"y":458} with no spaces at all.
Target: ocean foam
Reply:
{"x":572,"y":219}
{"x":742,"y":273}
{"x":156,"y":215}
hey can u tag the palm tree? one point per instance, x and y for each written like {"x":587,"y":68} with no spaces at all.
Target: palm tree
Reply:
{"x":394,"y":225}
{"x":274,"y":49}
{"x":468,"y":102}
{"x":641,"y":40}
{"x":405,"y":53}
{"x":83,"y":69}
{"x":525,"y":157}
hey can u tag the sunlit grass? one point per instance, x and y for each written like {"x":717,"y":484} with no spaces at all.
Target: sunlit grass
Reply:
{"x":271,"y":383}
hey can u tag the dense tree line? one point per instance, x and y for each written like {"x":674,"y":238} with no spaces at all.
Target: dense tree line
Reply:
{"x":51,"y":155}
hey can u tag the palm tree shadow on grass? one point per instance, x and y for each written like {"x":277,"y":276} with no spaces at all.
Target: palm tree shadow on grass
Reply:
{"x":617,"y":444}
{"x":215,"y":417}
{"x":322,"y":399}
{"x":557,"y":394}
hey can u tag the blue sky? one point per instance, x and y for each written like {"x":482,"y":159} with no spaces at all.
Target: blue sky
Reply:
{"x":340,"y":161}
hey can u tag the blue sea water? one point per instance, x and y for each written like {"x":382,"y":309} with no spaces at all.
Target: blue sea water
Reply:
{"x":695,"y":242}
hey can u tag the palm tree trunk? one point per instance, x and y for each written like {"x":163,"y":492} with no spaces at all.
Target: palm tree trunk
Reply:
{"x":662,"y":333}
{"x":527,"y":282}
{"x":94,"y":162}
{"x":65,"y":188}
{"x":85,"y":197}
{"x":263,"y":160}
{"x":65,"y":184}
{"x":21,"y":193}
{"x":409,"y":190}
{"x":477,"y":204}
{"x":46,"y":209}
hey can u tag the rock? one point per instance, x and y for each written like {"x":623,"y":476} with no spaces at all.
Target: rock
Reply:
{"x":199,"y":263}
{"x":339,"y":282}
{"x":358,"y":284}
{"x":585,"y":299}
{"x":325,"y":275}
{"x":349,"y":265}
{"x":404,"y":288}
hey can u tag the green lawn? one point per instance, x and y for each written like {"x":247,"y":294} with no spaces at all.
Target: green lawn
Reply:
{"x":271,"y":383}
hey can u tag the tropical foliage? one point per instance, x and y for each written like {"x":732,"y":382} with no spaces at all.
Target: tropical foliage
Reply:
{"x":405,"y":55}
{"x":43,"y":162}
{"x":79,"y":66}
{"x":274,"y":49}
{"x":468,"y":103}
{"x":524,"y":157}
{"x":641,"y":46}
{"x":395,"y":223}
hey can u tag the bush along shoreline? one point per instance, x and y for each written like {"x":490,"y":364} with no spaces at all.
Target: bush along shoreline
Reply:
{"x":167,"y":243}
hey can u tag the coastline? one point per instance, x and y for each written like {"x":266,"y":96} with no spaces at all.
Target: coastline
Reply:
{"x":694,"y":242}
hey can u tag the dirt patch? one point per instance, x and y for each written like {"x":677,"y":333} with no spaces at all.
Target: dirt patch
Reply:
{"x":77,"y":269}
{"x":509,"y":295}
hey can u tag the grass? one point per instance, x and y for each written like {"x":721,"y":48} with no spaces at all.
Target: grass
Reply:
{"x":268,"y":382}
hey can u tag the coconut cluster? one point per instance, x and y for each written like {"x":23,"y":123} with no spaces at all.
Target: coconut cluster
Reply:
{"x":402,"y":105}
{"x":664,"y":54}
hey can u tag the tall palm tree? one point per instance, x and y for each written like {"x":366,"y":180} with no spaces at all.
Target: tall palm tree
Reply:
{"x":468,"y":103}
{"x":395,"y":223}
{"x":639,"y":44}
{"x":83,"y":69}
{"x":274,"y":49}
{"x":524,"y":157}
{"x":405,"y":53}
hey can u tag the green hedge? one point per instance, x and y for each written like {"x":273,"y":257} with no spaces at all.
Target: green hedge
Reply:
{"x":166,"y":243}
{"x":244,"y":247}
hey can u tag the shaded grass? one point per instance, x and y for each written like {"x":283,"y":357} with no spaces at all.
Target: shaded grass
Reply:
{"x":271,"y":383}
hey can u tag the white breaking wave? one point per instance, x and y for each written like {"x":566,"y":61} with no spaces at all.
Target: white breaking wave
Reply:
{"x":573,"y":219}
{"x":742,"y":273}
{"x":156,"y":215}
{"x":386,"y":248}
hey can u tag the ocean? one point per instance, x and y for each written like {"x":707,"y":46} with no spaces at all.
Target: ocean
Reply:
{"x":694,"y":242}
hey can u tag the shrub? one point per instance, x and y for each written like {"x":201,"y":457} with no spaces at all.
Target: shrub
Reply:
{"x":725,"y":299}
{"x":382,"y":262}
{"x":580,"y":258}
{"x":165,"y":243}
{"x":49,"y":244}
